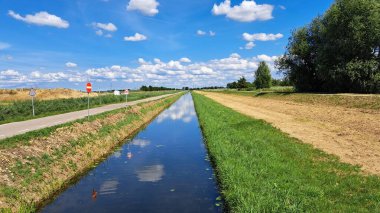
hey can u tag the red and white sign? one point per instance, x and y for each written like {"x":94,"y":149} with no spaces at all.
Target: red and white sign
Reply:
{"x":126,"y":92}
{"x":88,"y":87}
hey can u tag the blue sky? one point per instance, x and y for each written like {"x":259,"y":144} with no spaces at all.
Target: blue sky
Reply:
{"x":130,"y":43}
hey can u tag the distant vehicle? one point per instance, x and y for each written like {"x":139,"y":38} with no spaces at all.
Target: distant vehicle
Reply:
{"x":116,"y":92}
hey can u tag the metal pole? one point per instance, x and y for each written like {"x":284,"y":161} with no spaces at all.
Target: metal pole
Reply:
{"x":88,"y":106}
{"x":33,"y":105}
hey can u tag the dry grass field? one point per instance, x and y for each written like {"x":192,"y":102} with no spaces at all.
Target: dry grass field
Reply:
{"x":9,"y":95}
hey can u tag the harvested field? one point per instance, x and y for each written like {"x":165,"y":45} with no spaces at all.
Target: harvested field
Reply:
{"x":351,"y":134}
{"x":43,"y":94}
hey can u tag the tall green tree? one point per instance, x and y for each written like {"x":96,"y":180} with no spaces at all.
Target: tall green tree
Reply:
{"x":337,"y":52}
{"x":263,"y":79}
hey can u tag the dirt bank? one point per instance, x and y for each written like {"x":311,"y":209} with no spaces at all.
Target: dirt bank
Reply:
{"x":351,"y":134}
{"x":31,"y":172}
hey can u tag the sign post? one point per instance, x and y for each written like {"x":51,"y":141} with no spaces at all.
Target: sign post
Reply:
{"x":88,"y":88}
{"x":32,"y":93}
{"x":126,"y":92}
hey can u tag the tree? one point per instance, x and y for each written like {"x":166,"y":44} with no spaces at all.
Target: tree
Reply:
{"x":242,"y":83}
{"x":263,"y":79}
{"x":337,"y":52}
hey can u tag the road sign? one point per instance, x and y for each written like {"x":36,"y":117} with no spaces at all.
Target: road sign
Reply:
{"x":32,"y":92}
{"x":88,"y":87}
{"x":126,"y":92}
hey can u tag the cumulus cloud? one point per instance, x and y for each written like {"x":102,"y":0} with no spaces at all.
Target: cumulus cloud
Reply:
{"x":211,"y":33}
{"x":201,"y":33}
{"x":4,"y":46}
{"x":100,"y":27}
{"x":249,"y":45}
{"x":262,"y":36}
{"x":146,"y":7}
{"x":71,"y":64}
{"x":172,"y":73}
{"x":247,"y":11}
{"x":108,"y":27}
{"x":42,"y":19}
{"x":185,"y":60}
{"x":136,"y":37}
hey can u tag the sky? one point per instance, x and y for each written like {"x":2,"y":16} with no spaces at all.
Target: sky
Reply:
{"x":118,"y":44}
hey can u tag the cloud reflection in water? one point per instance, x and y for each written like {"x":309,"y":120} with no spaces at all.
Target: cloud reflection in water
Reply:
{"x":151,"y":173}
{"x":183,"y":110}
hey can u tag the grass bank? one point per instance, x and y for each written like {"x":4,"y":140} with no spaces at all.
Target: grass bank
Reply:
{"x":359,"y":101}
{"x":261,"y":169}
{"x":32,"y":171}
{"x":22,"y":110}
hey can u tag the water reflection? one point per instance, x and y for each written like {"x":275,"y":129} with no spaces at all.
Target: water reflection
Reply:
{"x":151,"y":173}
{"x":140,"y":142}
{"x":108,"y":187}
{"x":165,"y":168}
{"x":183,"y":110}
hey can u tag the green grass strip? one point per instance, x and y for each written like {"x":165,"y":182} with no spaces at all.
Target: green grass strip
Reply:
{"x":261,"y":169}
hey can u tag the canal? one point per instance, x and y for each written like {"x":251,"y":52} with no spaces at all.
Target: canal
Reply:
{"x":164,"y":168}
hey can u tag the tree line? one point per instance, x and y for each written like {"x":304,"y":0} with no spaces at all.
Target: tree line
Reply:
{"x":338,"y":51}
{"x":263,"y":79}
{"x":152,"y":88}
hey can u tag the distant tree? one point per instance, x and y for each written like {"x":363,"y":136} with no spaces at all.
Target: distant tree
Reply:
{"x":263,"y":79}
{"x":232,"y":85}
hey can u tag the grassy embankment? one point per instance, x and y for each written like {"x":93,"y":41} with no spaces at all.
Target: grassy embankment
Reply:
{"x":38,"y":164}
{"x":359,"y":101}
{"x":22,"y":110}
{"x":261,"y":169}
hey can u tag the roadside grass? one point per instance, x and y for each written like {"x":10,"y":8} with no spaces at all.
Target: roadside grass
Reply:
{"x":32,"y":178}
{"x":22,"y":110}
{"x":364,"y":101}
{"x":261,"y":169}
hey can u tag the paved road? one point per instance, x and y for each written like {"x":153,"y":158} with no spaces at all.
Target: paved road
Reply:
{"x":15,"y":128}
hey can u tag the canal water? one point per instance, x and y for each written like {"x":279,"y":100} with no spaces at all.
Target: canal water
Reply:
{"x":164,"y":168}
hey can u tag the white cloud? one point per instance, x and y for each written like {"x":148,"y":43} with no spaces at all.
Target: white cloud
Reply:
{"x":4,"y":46}
{"x":201,"y":33}
{"x":99,"y":32}
{"x":71,"y":64}
{"x":185,"y":60}
{"x":136,"y":37}
{"x":267,"y":58}
{"x":249,"y":45}
{"x":42,"y":19}
{"x":247,"y":11}
{"x":146,"y":7}
{"x":262,"y":36}
{"x":108,"y":27}
{"x":282,"y":7}
{"x":172,"y":73}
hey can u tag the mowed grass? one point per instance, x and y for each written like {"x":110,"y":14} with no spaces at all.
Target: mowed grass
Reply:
{"x":359,"y":101}
{"x":22,"y":110}
{"x":261,"y":169}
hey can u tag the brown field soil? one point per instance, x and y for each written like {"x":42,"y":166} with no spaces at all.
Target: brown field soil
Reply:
{"x":33,"y":172}
{"x":351,"y":134}
{"x":42,"y":94}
